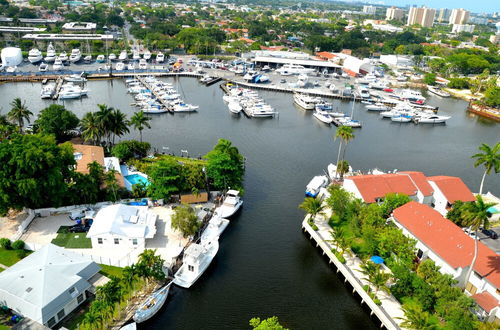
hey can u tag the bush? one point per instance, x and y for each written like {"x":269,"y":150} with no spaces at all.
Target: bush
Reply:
{"x":459,"y":83}
{"x":377,"y":301}
{"x":5,"y":243}
{"x":366,"y":287}
{"x":126,"y":150}
{"x":430,"y":78}
{"x":340,"y":257}
{"x":18,"y":245}
{"x":314,"y":227}
{"x":21,"y":254}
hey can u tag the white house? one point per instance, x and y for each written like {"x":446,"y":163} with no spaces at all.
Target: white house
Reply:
{"x":449,"y":247}
{"x":48,"y":284}
{"x":119,"y":226}
{"x":448,"y":190}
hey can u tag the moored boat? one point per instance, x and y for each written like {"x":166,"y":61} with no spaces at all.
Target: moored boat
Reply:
{"x":431,"y":119}
{"x":438,"y":91}
{"x":234,"y":107}
{"x":377,"y":107}
{"x":51,"y":54}
{"x":231,"y":204}
{"x":305,"y":101}
{"x":152,"y":305}
{"x":314,"y":186}
{"x":214,"y":229}
{"x":323,"y":116}
{"x":35,"y":56}
{"x":197,"y":258}
{"x":75,"y":55}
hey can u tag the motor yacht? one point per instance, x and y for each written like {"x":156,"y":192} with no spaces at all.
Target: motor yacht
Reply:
{"x":143,"y":64}
{"x":323,"y":116}
{"x":136,"y":56}
{"x":305,"y":101}
{"x":314,"y":186}
{"x":87,"y":59}
{"x":364,"y":92}
{"x":70,"y":91}
{"x":438,"y":91}
{"x":231,"y":204}
{"x":289,"y":69}
{"x":347,"y":121}
{"x":377,"y":107}
{"x":112,"y":57}
{"x":100,"y":58}
{"x":234,"y":107}
{"x":184,"y":107}
{"x":35,"y":56}
{"x":78,"y":78}
{"x":146,"y":55}
{"x":215,"y":228}
{"x":197,"y":258}
{"x":401,"y":118}
{"x":123,"y":55}
{"x":58,"y":64}
{"x":75,"y":55}
{"x":131,"y":66}
{"x":43,"y":67}
{"x":51,"y":54}
{"x":412,"y":96}
{"x":120,"y":66}
{"x":160,"y":58}
{"x":430,"y":119}
{"x":63,"y":56}
{"x":48,"y":91}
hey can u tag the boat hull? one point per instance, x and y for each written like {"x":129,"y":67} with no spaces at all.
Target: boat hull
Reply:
{"x":227,"y":212}
{"x":144,"y":313}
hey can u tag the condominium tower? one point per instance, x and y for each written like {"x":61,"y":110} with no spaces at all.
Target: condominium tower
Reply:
{"x":459,"y":16}
{"x":422,"y":16}
{"x":394,"y":13}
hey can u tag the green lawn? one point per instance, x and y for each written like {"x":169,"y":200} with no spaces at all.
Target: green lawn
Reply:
{"x":8,"y":257}
{"x":1,"y":269}
{"x":4,"y":327}
{"x":71,"y":240}
{"x":111,"y":270}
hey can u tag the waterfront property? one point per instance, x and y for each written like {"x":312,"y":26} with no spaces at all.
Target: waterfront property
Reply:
{"x":48,"y":284}
{"x":87,"y":154}
{"x":119,"y":226}
{"x":132,"y":177}
{"x":448,"y":190}
{"x":452,"y":250}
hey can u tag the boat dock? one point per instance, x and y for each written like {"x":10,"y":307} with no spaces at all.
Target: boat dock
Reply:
{"x":163,"y":102}
{"x":212,"y":81}
{"x":59,"y":83}
{"x":385,"y":316}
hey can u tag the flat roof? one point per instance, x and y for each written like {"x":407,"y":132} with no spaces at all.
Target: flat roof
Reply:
{"x":278,"y":60}
{"x":72,"y":36}
{"x":79,"y":26}
{"x":29,"y":20}
{"x":21,"y":29}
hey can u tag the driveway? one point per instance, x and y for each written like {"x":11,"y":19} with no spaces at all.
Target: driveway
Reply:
{"x":43,"y":230}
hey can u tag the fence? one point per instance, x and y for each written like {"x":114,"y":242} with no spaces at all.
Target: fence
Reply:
{"x":24,"y":225}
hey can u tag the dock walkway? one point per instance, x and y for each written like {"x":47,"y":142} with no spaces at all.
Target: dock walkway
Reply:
{"x":389,"y":312}
{"x":163,"y":102}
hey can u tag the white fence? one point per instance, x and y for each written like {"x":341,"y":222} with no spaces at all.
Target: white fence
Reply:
{"x":22,"y":227}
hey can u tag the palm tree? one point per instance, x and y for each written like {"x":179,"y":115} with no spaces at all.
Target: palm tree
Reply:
{"x":140,"y":121}
{"x":416,"y":318}
{"x":19,"y":112}
{"x":342,"y":168}
{"x":340,"y":239}
{"x":119,"y":124}
{"x":476,"y":215}
{"x":490,"y":158}
{"x":345,"y":134}
{"x":91,"y":130}
{"x":105,"y":120}
{"x":312,"y":206}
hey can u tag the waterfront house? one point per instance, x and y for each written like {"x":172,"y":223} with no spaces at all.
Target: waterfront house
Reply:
{"x":452,"y":250}
{"x":122,"y":226}
{"x":448,"y":190}
{"x":372,"y":188}
{"x":48,"y":284}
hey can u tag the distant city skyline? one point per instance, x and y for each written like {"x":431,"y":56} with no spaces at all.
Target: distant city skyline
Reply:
{"x":481,"y":6}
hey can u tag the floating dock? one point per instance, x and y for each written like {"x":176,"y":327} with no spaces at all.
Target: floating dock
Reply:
{"x":163,"y":102}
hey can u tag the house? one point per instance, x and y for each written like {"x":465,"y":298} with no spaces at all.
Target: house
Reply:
{"x":48,"y":284}
{"x":452,"y":250}
{"x":372,"y":188}
{"x":448,"y":190}
{"x":119,"y":226}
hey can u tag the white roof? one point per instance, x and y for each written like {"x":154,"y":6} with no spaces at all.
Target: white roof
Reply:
{"x":279,"y":60}
{"x":124,"y":220}
{"x":38,"y":286}
{"x":112,"y":163}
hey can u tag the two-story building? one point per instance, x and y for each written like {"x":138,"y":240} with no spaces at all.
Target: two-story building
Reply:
{"x":448,"y":190}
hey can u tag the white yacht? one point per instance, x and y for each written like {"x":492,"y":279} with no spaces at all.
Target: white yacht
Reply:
{"x":314,"y":186}
{"x":146,"y":55}
{"x":63,"y":56}
{"x":35,"y":56}
{"x":160,"y":57}
{"x":100,"y":58}
{"x":123,"y":55}
{"x":112,"y":57}
{"x":70,"y":91}
{"x":197,"y":258}
{"x":184,"y":107}
{"x":369,"y":78}
{"x":305,"y":101}
{"x":51,"y":54}
{"x":411,"y":96}
{"x":143,"y":64}
{"x":401,"y":118}
{"x":152,"y":305}
{"x":323,"y":116}
{"x":87,"y":59}
{"x":234,"y":107}
{"x":438,"y":91}
{"x":231,"y":205}
{"x":214,"y":229}
{"x":120,"y":66}
{"x":154,"y":109}
{"x":11,"y":69}
{"x":378,"y":85}
{"x":48,"y":91}
{"x":58,"y":64}
{"x":43,"y":67}
{"x":348,"y":121}
{"x":302,"y":80}
{"x":131,"y":66}
{"x":78,"y":78}
{"x":377,"y":107}
{"x":75,"y":55}
{"x":136,"y":56}
{"x":431,"y":119}
{"x":364,"y":92}
{"x":289,"y":69}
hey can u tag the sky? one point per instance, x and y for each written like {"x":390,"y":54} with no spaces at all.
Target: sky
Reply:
{"x":476,"y":6}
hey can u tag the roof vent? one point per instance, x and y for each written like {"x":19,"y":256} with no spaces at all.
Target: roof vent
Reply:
{"x":29,"y":289}
{"x":22,"y":276}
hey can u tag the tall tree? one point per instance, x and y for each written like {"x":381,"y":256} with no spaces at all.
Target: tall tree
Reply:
{"x":345,"y":134}
{"x":140,"y":121}
{"x":225,"y":165}
{"x":105,"y":121}
{"x":185,"y":220}
{"x":119,"y":124}
{"x":19,"y":112}
{"x":490,"y":159}
{"x":55,"y":119}
{"x":91,"y":130}
{"x":476,"y":215}
{"x":312,"y":206}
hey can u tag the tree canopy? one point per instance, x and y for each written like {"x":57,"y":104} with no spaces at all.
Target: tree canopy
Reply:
{"x":56,"y":120}
{"x":185,"y":220}
{"x":225,"y":166}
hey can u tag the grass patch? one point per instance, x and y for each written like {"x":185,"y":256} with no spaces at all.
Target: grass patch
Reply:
{"x":1,"y":269}
{"x":71,"y":240}
{"x":8,"y":257}
{"x":111,"y":271}
{"x":77,"y":318}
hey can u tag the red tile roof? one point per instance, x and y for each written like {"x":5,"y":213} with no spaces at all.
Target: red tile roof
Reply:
{"x":421,"y":181}
{"x":486,"y":301}
{"x":372,"y":187}
{"x":453,"y":188}
{"x":447,"y":240}
{"x":248,"y":41}
{"x":326,"y":55}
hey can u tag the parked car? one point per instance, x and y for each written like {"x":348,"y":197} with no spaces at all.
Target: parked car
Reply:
{"x":490,"y":233}
{"x":79,"y":229}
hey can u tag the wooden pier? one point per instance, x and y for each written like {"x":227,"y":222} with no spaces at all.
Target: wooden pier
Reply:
{"x":163,"y":102}
{"x":59,"y":83}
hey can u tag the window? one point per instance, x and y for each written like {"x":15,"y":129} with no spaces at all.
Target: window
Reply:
{"x":99,"y":241}
{"x":134,"y":241}
{"x":117,"y":241}
{"x":71,"y":290}
{"x":51,"y":322}
{"x":471,"y":288}
{"x":190,"y":268}
{"x":420,"y":253}
{"x":61,"y":314}
{"x":80,"y":298}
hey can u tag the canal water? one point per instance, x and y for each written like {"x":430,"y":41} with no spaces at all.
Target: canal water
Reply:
{"x":265,"y":265}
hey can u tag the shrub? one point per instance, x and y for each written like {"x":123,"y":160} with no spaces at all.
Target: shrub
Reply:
{"x":18,"y":245}
{"x":366,"y":287}
{"x":377,"y":301}
{"x":5,"y":243}
{"x":340,"y":257}
{"x":314,"y":227}
{"x":126,"y":150}
{"x":459,"y":83}
{"x":21,"y":253}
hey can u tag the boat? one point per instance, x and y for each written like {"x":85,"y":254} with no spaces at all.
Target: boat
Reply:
{"x":35,"y":56}
{"x":431,"y":119}
{"x":214,"y":229}
{"x":48,"y":91}
{"x":332,"y":171}
{"x":100,"y":59}
{"x":51,"y":54}
{"x":411,"y":96}
{"x":123,"y":55}
{"x":302,"y":80}
{"x":381,"y":85}
{"x":154,"y":109}
{"x":112,"y":57}
{"x":289,"y":69}
{"x":323,"y":106}
{"x":184,"y":107}
{"x":364,"y":92}
{"x":197,"y":258}
{"x":438,"y":91}
{"x":70,"y":91}
{"x":305,"y":101}
{"x":58,"y":64}
{"x":323,"y":116}
{"x":43,"y":67}
{"x":143,"y":64}
{"x":160,"y":57}
{"x":366,"y":80}
{"x":401,"y":118}
{"x":75,"y":55}
{"x":152,"y":305}
{"x":136,"y":56}
{"x":377,"y":107}
{"x":120,"y":66}
{"x":314,"y":186}
{"x":234,"y":107}
{"x":76,"y":78}
{"x":231,"y":204}
{"x":146,"y":55}
{"x":131,"y":66}
{"x":63,"y":56}
{"x":347,"y":121}
{"x":11,"y":69}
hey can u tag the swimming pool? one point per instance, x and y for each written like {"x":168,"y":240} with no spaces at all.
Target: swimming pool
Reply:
{"x":136,"y":178}
{"x":494,"y":209}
